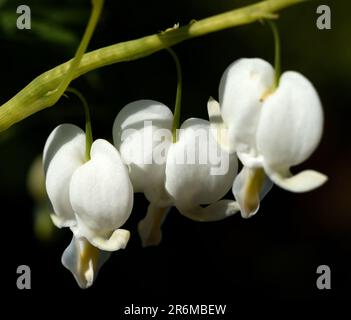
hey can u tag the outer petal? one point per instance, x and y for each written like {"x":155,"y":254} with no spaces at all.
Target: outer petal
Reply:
{"x":198,"y":171}
{"x":142,"y":134}
{"x":302,"y":182}
{"x":291,"y":123}
{"x":64,"y":152}
{"x":220,"y":132}
{"x":84,"y":261}
{"x":102,"y":197}
{"x":243,"y":86}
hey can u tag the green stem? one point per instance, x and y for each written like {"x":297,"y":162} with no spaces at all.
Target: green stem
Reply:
{"x":277,"y":52}
{"x":178,"y":101}
{"x":67,"y":78}
{"x":88,"y":130}
{"x":34,"y":97}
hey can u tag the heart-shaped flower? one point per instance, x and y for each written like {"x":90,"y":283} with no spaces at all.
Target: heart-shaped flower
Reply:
{"x":94,"y":198}
{"x":192,"y":172}
{"x":271,"y":129}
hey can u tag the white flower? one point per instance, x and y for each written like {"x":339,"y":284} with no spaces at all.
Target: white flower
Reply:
{"x":270,"y":129}
{"x":182,"y":174}
{"x":94,"y":198}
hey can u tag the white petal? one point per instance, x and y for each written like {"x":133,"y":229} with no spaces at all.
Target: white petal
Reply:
{"x":84,"y":261}
{"x":142,"y":134}
{"x":267,"y":186}
{"x":198,"y":171}
{"x":150,"y":227}
{"x":63,"y":222}
{"x":101,"y":194}
{"x":243,"y":86}
{"x":291,"y":123}
{"x":64,"y":152}
{"x":302,"y":182}
{"x":118,"y":240}
{"x":219,"y":129}
{"x":249,"y":187}
{"x":216,"y":211}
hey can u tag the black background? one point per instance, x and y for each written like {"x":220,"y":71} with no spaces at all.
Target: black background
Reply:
{"x":275,"y":254}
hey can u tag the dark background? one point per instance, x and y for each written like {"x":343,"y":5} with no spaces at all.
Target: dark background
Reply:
{"x":275,"y":254}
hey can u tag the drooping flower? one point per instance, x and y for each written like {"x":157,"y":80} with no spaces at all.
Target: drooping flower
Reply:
{"x":186,"y":174}
{"x":93,"y":198}
{"x":271,"y":129}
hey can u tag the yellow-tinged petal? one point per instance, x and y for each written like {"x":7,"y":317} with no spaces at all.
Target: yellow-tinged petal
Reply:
{"x":84,"y":261}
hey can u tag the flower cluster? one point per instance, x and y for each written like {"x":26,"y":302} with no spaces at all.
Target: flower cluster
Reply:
{"x":269,"y":127}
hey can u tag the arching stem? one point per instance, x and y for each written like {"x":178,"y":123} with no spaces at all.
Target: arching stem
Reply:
{"x":178,"y":102}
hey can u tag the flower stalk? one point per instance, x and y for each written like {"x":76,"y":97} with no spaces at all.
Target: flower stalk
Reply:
{"x":178,"y":101}
{"x":88,"y":130}
{"x":277,"y":52}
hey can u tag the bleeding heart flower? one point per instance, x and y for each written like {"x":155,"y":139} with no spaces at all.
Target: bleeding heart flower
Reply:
{"x":186,"y":174}
{"x":271,"y":129}
{"x":94,"y":198}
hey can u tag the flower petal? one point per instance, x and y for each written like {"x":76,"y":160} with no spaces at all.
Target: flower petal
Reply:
{"x":150,"y":227}
{"x":267,"y":186}
{"x":242,"y":89}
{"x":198,"y":171}
{"x":101,"y":194}
{"x":64,"y":152}
{"x":218,"y":210}
{"x":302,"y":182}
{"x":84,"y":261}
{"x":291,"y":123}
{"x":219,"y":129}
{"x":118,"y":240}
{"x":249,"y":188}
{"x":142,"y":134}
